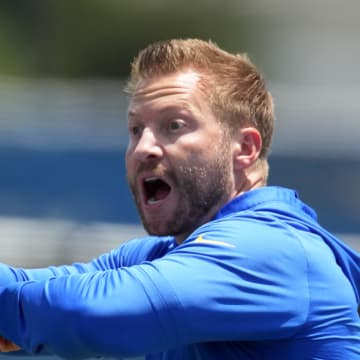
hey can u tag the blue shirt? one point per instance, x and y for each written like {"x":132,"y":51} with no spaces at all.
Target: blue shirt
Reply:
{"x":262,"y":280}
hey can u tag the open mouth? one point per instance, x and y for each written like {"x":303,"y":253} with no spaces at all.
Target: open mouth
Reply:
{"x":155,"y":190}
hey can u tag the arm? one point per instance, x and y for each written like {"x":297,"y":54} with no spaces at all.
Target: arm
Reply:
{"x":145,"y":308}
{"x":10,"y":274}
{"x":148,"y":248}
{"x":130,"y":253}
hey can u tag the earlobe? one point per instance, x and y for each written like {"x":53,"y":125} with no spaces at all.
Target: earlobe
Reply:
{"x":247,"y":148}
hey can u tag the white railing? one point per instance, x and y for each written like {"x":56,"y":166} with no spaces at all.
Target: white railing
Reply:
{"x":34,"y":243}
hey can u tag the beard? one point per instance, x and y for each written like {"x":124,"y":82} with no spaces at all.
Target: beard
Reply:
{"x":203,"y":186}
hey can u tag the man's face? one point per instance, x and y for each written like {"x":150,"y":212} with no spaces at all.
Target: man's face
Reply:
{"x":178,"y":161}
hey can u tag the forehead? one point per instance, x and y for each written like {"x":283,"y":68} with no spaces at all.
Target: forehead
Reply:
{"x":178,"y":89}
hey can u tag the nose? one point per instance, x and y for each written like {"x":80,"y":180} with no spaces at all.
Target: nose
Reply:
{"x":147,"y":147}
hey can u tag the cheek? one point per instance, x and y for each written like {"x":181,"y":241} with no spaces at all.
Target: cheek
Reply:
{"x":128,"y":160}
{"x":190,"y":147}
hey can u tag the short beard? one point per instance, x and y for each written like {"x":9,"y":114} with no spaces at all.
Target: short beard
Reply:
{"x":203,"y":190}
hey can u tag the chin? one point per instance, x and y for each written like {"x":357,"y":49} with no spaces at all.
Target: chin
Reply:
{"x":156,"y":230}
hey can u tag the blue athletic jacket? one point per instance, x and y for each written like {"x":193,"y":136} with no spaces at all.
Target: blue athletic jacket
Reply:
{"x":262,"y":280}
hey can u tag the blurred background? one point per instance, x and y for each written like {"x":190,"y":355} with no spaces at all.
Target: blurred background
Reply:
{"x":63,"y":65}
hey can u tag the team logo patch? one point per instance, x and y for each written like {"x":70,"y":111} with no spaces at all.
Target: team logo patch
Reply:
{"x":200,"y":239}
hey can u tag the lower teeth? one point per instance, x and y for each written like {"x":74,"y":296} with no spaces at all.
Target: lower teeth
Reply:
{"x":152,"y":201}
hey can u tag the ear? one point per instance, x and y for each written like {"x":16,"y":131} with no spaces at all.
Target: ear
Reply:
{"x":248,"y":144}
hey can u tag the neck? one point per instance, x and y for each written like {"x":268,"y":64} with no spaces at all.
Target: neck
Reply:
{"x":251,"y":178}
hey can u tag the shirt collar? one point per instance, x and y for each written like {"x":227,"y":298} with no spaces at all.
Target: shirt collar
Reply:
{"x":263,"y":195}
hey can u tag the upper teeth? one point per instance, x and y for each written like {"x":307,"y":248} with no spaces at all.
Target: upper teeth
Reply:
{"x":151,"y":179}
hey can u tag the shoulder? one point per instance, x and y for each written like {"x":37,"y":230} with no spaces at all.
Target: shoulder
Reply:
{"x":258,"y":250}
{"x":242,"y":259}
{"x":252,"y":232}
{"x":138,"y":250}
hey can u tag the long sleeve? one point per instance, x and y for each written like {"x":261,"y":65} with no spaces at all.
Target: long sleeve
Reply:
{"x":81,"y":315}
{"x":147,"y":248}
{"x":10,"y":274}
{"x":213,"y":288}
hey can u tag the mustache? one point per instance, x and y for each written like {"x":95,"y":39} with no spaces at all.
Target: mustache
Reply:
{"x":156,"y":169}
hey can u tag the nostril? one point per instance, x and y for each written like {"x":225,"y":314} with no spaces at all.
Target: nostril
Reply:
{"x":146,"y":154}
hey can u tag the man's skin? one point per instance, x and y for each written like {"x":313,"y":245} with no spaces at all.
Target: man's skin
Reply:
{"x":171,"y":128}
{"x":7,"y":346}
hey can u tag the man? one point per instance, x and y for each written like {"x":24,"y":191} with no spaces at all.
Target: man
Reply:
{"x":235,"y":269}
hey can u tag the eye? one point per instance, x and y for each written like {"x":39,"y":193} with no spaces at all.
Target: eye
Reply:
{"x":135,"y":130}
{"x":176,"y":124}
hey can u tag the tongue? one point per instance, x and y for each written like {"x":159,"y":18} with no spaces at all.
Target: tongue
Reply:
{"x":161,"y":193}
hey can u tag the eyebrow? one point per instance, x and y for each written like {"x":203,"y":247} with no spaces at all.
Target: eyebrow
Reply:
{"x":181,"y":106}
{"x":131,"y":113}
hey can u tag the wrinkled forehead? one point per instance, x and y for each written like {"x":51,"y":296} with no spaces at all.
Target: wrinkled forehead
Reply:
{"x":176,"y":88}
